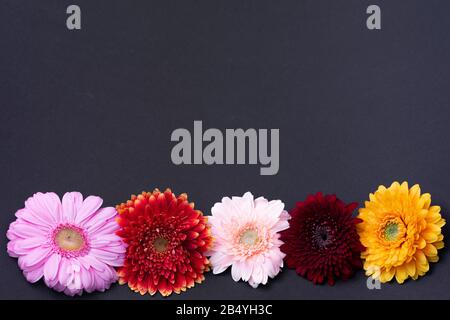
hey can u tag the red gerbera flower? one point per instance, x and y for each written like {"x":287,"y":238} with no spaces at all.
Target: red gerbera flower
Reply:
{"x":166,"y":241}
{"x":321,"y":242}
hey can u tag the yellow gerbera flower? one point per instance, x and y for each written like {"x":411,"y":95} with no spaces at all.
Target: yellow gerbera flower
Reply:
{"x":401,"y":233}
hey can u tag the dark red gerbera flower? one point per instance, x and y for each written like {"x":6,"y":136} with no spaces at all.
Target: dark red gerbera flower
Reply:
{"x":167,"y":240}
{"x":321,"y":242}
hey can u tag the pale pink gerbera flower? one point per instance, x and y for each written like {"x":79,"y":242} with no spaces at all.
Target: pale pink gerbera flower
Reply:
{"x":70,"y":243}
{"x":246,"y":237}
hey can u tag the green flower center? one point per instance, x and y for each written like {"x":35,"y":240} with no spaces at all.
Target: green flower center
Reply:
{"x":249,"y":237}
{"x":391,"y":231}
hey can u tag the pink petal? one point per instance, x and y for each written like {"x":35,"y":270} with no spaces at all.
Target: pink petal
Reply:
{"x":257,"y":275}
{"x":33,"y":218}
{"x":235,"y":272}
{"x":86,"y":280}
{"x":101,"y":216}
{"x":45,"y":205}
{"x":25,"y":230}
{"x":72,"y":292}
{"x":88,"y":261}
{"x":89,"y":207}
{"x":246,"y":269}
{"x":11,"y":250}
{"x":51,"y":267}
{"x":106,"y":228}
{"x":112,"y":259}
{"x":108,"y":275}
{"x":59,"y":287}
{"x":280,"y":226}
{"x":77,"y":281}
{"x":64,"y":271}
{"x":22,"y":247}
{"x":118,"y":249}
{"x":74,"y":279}
{"x":105,"y":239}
{"x":71,"y":202}
{"x":220,"y":262}
{"x":35,"y":257}
{"x":53,"y":203}
{"x":10,"y":234}
{"x":31,"y":243}
{"x":100,"y":284}
{"x":34,"y":275}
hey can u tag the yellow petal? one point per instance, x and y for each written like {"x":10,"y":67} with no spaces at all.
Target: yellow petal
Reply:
{"x":440,"y":223}
{"x":400,"y":274}
{"x":421,"y":243}
{"x":422,"y":268}
{"x":433,"y":214}
{"x":411,"y":268}
{"x":432,"y":228}
{"x":430,"y":236}
{"x":395,"y":185}
{"x":387,"y":275}
{"x":420,"y":258}
{"x":414,"y":193}
{"x":439,"y":244}
{"x":423,"y":213}
{"x":425,"y":200}
{"x":404,"y":191}
{"x":430,"y":250}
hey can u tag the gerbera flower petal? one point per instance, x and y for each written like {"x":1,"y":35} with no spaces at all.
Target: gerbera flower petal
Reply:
{"x":103,"y":216}
{"x":23,"y":246}
{"x":45,"y":206}
{"x":34,"y":275}
{"x":33,"y":257}
{"x":51,"y":267}
{"x":246,"y":237}
{"x":50,"y":240}
{"x":88,"y":208}
{"x":220,"y":262}
{"x":401,"y":231}
{"x":33,"y":219}
{"x":167,"y":240}
{"x":71,"y":202}
{"x":322,"y":243}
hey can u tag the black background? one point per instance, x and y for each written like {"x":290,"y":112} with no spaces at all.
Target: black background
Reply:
{"x":93,"y":110}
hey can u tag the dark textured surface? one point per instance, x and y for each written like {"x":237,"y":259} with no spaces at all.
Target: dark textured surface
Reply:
{"x":93,"y":111}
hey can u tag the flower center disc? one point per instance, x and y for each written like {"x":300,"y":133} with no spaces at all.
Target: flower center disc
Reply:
{"x":322,"y":236}
{"x":160,"y":244}
{"x":249,"y":237}
{"x":69,"y":239}
{"x":391,"y":231}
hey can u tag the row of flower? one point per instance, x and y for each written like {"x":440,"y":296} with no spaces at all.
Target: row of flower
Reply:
{"x":158,"y":241}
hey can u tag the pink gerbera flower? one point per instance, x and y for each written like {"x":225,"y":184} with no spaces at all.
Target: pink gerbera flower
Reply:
{"x":246,"y":237}
{"x":70,"y":243}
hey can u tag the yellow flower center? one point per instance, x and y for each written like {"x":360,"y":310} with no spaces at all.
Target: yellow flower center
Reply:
{"x":69,"y":239}
{"x":249,"y":237}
